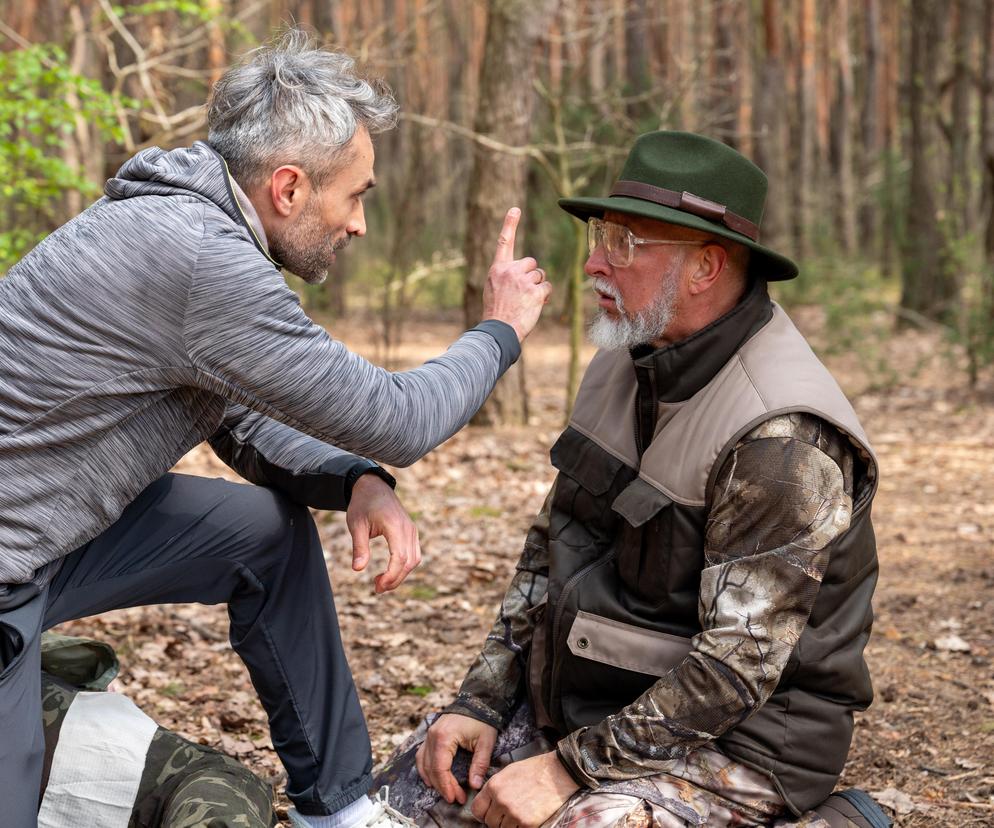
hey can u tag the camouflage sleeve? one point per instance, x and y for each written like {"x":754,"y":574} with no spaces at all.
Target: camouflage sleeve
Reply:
{"x":780,"y":499}
{"x":493,"y":685}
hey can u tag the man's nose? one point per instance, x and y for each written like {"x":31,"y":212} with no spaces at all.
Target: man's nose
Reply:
{"x":357,"y":222}
{"x":597,"y":264}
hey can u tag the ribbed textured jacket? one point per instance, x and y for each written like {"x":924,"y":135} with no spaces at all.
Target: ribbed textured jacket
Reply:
{"x":136,"y":330}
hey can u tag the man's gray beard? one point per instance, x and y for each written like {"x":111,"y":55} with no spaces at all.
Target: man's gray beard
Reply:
{"x":303,"y":248}
{"x":630,"y":330}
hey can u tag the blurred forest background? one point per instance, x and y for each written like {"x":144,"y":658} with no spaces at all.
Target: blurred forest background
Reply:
{"x":874,"y":120}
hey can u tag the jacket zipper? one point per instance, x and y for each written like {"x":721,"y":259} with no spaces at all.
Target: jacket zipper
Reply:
{"x":645,"y":408}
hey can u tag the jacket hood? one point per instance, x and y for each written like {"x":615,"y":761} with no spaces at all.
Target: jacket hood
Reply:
{"x":194,"y":172}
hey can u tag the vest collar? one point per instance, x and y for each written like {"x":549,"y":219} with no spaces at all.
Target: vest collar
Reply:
{"x":683,"y":368}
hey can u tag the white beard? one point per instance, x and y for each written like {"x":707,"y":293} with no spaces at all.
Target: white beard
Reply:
{"x":630,"y":330}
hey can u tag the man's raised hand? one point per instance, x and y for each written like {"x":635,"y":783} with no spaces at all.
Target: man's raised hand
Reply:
{"x":516,"y":289}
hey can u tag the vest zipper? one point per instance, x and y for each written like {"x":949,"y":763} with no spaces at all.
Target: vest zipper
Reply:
{"x":645,"y":409}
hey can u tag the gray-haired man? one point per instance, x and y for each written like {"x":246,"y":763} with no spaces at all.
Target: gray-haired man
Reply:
{"x":157,"y":319}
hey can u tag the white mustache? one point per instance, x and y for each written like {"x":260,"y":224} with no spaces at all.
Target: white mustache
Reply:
{"x":607,"y":289}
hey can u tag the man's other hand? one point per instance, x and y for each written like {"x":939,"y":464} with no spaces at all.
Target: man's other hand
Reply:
{"x":516,"y":289}
{"x":374,"y":511}
{"x":524,"y":794}
{"x":434,"y":758}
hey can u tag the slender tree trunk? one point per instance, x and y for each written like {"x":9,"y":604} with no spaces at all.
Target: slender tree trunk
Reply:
{"x":870,"y":145}
{"x":805,"y":178}
{"x":744,"y":77}
{"x":723,"y":103}
{"x":892,"y":214}
{"x":637,"y":80}
{"x":678,"y":30}
{"x":958,"y":196}
{"x":845,"y":203}
{"x":927,"y":288}
{"x":987,"y":129}
{"x":770,"y":126}
{"x":498,"y":179}
{"x":217,"y":58}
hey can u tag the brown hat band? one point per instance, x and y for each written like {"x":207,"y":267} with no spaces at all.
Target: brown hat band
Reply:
{"x":688,"y":203}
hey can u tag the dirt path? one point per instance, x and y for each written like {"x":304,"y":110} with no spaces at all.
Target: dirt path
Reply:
{"x":928,"y":740}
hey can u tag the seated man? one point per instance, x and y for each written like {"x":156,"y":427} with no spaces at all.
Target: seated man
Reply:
{"x":682,"y":642}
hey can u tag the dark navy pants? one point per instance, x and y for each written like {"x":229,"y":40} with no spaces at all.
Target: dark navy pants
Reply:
{"x":190,"y":539}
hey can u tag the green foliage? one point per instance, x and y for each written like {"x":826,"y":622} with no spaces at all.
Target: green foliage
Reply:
{"x":858,"y":303}
{"x":422,"y":592}
{"x":185,"y":8}
{"x":972,"y":319}
{"x":485,"y":512}
{"x":39,"y":105}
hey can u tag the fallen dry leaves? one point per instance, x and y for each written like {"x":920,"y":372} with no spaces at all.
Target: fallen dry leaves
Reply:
{"x":927,"y":743}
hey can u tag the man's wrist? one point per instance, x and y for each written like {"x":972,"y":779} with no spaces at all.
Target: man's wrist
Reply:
{"x":565,"y":754}
{"x":506,"y":337}
{"x":363,"y":468}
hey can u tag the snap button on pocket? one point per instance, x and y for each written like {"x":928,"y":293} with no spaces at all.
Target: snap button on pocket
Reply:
{"x":583,"y":643}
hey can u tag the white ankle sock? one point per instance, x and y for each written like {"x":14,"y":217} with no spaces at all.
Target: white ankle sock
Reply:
{"x":351,"y":815}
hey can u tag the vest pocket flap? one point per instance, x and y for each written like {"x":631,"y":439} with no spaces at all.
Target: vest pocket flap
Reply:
{"x":587,"y":463}
{"x":626,"y":646}
{"x":639,"y":501}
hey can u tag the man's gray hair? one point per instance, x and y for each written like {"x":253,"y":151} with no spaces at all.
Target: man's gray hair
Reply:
{"x":291,"y":103}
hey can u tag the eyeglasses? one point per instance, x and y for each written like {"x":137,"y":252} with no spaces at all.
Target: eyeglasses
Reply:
{"x":619,"y":242}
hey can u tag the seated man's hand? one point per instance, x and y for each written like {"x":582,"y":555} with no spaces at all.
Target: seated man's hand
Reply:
{"x":524,"y":794}
{"x":434,"y":758}
{"x":375,"y":511}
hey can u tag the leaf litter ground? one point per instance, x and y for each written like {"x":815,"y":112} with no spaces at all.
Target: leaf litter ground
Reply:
{"x":926,"y":746}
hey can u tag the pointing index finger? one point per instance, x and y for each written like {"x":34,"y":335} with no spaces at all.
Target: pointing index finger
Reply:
{"x":505,"y":242}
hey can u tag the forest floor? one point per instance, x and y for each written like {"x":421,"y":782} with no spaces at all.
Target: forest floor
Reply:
{"x":925,"y":748}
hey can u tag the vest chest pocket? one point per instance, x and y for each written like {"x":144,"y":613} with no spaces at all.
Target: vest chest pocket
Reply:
{"x":660,"y":548}
{"x":588,"y":478}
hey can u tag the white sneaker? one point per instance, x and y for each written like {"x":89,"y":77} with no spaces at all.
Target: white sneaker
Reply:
{"x":384,"y":815}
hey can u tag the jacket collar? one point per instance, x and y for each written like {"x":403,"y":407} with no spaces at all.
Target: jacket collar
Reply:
{"x":244,"y":212}
{"x":685,"y":367}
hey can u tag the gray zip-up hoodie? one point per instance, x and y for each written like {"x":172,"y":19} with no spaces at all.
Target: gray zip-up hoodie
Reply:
{"x":155,"y":320}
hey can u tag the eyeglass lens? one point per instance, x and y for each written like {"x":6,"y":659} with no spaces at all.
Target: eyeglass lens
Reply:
{"x":616,"y":239}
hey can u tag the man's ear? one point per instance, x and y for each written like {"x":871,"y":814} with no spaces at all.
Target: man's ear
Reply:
{"x":711,"y":263}
{"x":289,"y":188}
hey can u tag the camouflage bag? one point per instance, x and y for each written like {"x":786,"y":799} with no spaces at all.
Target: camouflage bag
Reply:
{"x":108,"y":764}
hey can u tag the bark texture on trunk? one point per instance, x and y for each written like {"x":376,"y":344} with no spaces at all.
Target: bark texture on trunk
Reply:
{"x":497,"y":181}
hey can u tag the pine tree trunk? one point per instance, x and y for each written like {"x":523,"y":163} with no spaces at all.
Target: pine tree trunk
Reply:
{"x":770,"y":126}
{"x":845,"y":202}
{"x":958,"y":196}
{"x":870,"y":123}
{"x":498,"y":179}
{"x":723,"y":105}
{"x":805,"y":178}
{"x":987,"y":128}
{"x":927,"y":287}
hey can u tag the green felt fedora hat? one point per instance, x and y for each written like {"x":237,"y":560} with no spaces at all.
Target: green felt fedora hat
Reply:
{"x":693,"y":181}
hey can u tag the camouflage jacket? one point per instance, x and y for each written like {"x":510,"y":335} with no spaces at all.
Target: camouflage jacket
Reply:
{"x":780,"y":500}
